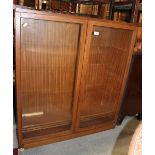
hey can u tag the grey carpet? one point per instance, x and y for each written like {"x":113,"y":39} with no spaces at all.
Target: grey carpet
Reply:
{"x":111,"y":142}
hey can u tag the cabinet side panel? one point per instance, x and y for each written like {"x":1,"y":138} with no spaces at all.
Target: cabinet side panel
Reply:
{"x":18,"y":77}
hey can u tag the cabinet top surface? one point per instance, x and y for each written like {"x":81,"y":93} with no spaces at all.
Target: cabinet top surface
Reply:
{"x":74,"y":17}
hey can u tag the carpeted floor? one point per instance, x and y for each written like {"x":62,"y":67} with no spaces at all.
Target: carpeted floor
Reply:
{"x":111,"y":142}
{"x":123,"y":140}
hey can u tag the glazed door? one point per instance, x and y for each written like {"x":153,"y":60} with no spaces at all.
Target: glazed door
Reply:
{"x":49,"y":59}
{"x":107,"y":58}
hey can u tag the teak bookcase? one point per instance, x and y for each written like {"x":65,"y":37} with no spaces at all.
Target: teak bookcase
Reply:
{"x":70,"y":74}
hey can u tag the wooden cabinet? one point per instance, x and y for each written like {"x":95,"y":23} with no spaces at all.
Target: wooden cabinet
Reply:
{"x":70,"y":75}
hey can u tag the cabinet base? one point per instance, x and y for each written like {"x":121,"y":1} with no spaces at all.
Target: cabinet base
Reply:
{"x":29,"y":143}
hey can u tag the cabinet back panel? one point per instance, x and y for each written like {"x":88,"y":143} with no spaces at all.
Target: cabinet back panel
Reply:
{"x":49,"y":54}
{"x":105,"y":71}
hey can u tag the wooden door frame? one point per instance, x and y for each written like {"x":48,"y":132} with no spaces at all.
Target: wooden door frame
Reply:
{"x":91,"y":24}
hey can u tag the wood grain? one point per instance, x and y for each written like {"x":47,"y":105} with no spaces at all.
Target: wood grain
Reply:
{"x":69,"y":82}
{"x":48,"y":139}
{"x":105,"y":70}
{"x":48,"y":69}
{"x":18,"y":77}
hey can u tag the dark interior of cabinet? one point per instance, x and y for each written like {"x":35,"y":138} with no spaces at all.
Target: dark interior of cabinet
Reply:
{"x":123,"y":15}
{"x":132,"y":103}
{"x":29,"y":3}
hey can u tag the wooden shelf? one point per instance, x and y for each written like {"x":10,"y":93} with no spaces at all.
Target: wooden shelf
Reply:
{"x":123,"y":7}
{"x":126,"y":6}
{"x":92,"y":120}
{"x":122,"y":3}
{"x":46,"y":131}
{"x":46,"y":122}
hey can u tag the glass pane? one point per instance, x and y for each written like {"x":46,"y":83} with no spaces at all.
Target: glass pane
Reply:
{"x":105,"y":71}
{"x":49,"y":52}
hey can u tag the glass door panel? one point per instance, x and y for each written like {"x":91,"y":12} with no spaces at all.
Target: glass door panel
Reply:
{"x":49,"y":53}
{"x":105,"y":69}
